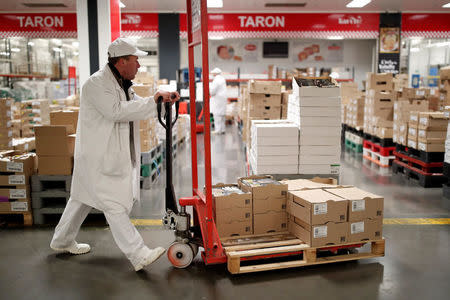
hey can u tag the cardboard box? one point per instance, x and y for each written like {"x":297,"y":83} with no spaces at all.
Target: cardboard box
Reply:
{"x":15,"y":162}
{"x":310,"y":184}
{"x":424,"y":134}
{"x":380,"y":82}
{"x":319,"y":169}
{"x":311,"y":140}
{"x":317,"y":206}
{"x":319,"y":159}
{"x":15,"y":206}
{"x":368,"y":229}
{"x":65,"y":118}
{"x":18,"y":192}
{"x":322,"y":121}
{"x":362,"y":204}
{"x":264,"y":100}
{"x":414,"y":118}
{"x":273,"y":221}
{"x":224,"y":200}
{"x":143,"y":91}
{"x":433,"y":121}
{"x":319,"y":235}
{"x":54,"y":141}
{"x":431,"y":145}
{"x":444,"y":73}
{"x":310,"y":111}
{"x":412,"y":133}
{"x":55,"y":165}
{"x":15,"y":179}
{"x":264,"y":87}
{"x":275,"y":150}
{"x":267,"y":194}
{"x":317,"y":92}
{"x":384,"y":132}
{"x":269,"y":112}
{"x":412,"y":143}
{"x":319,"y":150}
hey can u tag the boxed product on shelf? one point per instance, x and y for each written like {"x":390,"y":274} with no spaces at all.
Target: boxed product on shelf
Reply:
{"x":232,"y":210}
{"x":379,"y":82}
{"x":269,"y":203}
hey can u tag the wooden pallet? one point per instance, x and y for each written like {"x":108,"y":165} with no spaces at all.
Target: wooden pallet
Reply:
{"x":298,"y":253}
{"x":27,"y":218}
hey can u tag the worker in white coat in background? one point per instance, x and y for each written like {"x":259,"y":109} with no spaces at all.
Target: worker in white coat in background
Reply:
{"x":218,"y":92}
{"x":107,"y":156}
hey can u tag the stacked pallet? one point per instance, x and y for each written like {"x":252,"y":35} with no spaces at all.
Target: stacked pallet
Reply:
{"x":444,"y":87}
{"x":151,"y":164}
{"x":274,"y":147}
{"x":6,"y":132}
{"x":316,"y":110}
{"x":402,"y":109}
{"x":32,"y":113}
{"x":355,"y":112}
{"x":16,"y":170}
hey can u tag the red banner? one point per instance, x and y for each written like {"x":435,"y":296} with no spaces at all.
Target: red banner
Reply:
{"x":426,"y":25}
{"x":35,"y":25}
{"x":140,"y":24}
{"x":265,"y":25}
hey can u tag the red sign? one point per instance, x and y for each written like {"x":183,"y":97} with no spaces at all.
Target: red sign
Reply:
{"x":140,"y":24}
{"x":291,"y":25}
{"x":31,"y":25}
{"x":426,"y":25}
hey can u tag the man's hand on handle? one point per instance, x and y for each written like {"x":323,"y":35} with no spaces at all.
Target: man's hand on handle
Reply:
{"x":166,"y":96}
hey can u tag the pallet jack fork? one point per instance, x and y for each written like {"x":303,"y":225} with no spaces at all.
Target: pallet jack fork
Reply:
{"x":203,"y":233}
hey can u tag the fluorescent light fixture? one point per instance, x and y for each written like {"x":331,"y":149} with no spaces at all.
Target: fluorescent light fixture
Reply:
{"x":30,"y":44}
{"x":446,"y":5}
{"x":75,"y":44}
{"x":57,"y":49}
{"x":15,"y":49}
{"x":415,"y":50}
{"x":217,"y":38}
{"x":215,"y":3}
{"x":121,"y":5}
{"x":358,"y":3}
{"x":335,"y":37}
{"x":76,"y":53}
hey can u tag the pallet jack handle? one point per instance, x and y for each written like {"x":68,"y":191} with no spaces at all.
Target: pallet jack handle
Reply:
{"x":171,"y":203}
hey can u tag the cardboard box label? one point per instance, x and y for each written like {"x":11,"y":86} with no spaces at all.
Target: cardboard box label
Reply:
{"x":334,"y":169}
{"x":320,"y":209}
{"x":19,"y":206}
{"x":17,"y":193}
{"x":16,"y":179}
{"x":357,"y":227}
{"x":358,"y":205}
{"x":320,"y":231}
{"x":14,"y":166}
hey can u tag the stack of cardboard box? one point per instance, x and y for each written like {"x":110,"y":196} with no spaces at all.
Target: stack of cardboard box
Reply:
{"x":6,"y":132}
{"x":264,"y":102}
{"x":284,"y":104}
{"x":16,"y":170}
{"x":323,"y":214}
{"x":149,"y":139}
{"x":317,"y":112}
{"x":355,"y":112}
{"x":269,"y":203}
{"x":232,"y":210}
{"x":400,"y":82}
{"x":432,"y":131}
{"x":55,"y":149}
{"x":274,"y":147}
{"x":402,"y":109}
{"x":34,"y":112}
{"x":444,"y":87}
{"x":447,"y":138}
{"x":183,"y":127}
{"x":349,"y":91}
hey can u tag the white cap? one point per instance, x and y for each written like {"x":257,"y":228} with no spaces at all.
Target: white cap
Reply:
{"x":216,"y":71}
{"x":123,"y":47}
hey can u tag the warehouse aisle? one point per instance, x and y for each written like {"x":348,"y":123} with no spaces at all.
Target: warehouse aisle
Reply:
{"x":415,"y":267}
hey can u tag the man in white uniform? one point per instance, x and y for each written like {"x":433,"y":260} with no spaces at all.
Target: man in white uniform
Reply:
{"x":107,"y":156}
{"x":218,"y":91}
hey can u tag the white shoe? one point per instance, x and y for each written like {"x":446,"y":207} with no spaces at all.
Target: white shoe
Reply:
{"x":154,"y":255}
{"x":74,"y":249}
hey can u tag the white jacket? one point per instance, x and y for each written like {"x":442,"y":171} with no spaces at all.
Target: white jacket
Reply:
{"x":218,"y":92}
{"x":103,"y":176}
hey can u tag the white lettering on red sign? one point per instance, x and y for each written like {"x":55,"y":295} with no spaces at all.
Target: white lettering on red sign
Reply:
{"x":350,"y":20}
{"x":131,"y":19}
{"x":262,"y":21}
{"x":39,"y":21}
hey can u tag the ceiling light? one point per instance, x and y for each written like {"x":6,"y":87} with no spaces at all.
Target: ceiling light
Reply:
{"x":215,"y":3}
{"x":446,"y":5}
{"x":121,"y":5}
{"x":15,"y":50}
{"x":335,"y":37}
{"x":415,"y":50}
{"x":30,"y":44}
{"x":358,"y":3}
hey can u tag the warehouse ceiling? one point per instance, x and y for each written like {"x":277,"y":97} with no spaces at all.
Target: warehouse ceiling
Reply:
{"x":292,"y":6}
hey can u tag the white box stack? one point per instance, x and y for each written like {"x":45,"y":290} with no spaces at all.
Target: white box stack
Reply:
{"x":317,"y":111}
{"x":447,"y":140}
{"x":274,"y":147}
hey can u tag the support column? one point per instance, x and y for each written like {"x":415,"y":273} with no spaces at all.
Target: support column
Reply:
{"x":98,"y":23}
{"x":169,"y":45}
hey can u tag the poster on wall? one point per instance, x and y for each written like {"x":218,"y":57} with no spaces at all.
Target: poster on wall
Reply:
{"x":389,"y":40}
{"x":234,"y":51}
{"x":318,"y":51}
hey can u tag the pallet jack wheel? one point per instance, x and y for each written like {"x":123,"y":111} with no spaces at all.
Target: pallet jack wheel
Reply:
{"x":180,"y":255}
{"x":194,"y":249}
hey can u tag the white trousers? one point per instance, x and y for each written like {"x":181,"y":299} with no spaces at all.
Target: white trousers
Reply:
{"x":125,"y":234}
{"x":219,"y":123}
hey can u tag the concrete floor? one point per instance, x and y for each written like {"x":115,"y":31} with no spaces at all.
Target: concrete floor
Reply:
{"x":416,"y":265}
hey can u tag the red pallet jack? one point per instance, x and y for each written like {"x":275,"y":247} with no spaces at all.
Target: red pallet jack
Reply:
{"x":203,"y":233}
